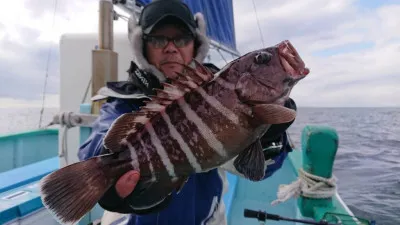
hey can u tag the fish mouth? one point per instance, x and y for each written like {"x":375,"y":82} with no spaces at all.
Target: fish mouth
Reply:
{"x":291,"y":61}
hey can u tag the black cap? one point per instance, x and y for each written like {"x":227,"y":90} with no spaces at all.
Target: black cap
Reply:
{"x":157,"y":10}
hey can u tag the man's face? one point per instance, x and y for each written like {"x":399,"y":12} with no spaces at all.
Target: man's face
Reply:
{"x":162,"y":56}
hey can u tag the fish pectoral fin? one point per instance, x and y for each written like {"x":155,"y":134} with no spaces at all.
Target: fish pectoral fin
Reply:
{"x":273,"y":113}
{"x":251,"y":162}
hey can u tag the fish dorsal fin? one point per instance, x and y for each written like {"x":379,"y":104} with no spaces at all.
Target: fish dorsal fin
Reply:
{"x":131,"y":123}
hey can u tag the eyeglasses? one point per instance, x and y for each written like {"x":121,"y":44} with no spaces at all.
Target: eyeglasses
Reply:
{"x":159,"y":41}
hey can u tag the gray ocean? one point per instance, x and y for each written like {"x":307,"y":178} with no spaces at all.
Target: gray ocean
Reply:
{"x":367,"y":162}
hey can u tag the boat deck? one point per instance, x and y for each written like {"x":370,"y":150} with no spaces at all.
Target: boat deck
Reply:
{"x":258,"y":196}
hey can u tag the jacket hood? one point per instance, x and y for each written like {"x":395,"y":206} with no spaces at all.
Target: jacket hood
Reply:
{"x":133,"y":87}
{"x":135,"y":34}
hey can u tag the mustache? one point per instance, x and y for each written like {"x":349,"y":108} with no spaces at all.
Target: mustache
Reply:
{"x":171,"y":60}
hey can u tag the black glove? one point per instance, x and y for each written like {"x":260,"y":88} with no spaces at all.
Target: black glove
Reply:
{"x":277,"y":134}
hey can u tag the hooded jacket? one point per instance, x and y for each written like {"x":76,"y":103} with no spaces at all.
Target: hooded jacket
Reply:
{"x":201,"y":199}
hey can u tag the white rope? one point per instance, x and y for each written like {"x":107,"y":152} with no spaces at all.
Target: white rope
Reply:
{"x":307,"y":185}
{"x":71,"y":119}
{"x":63,"y":151}
{"x":68,"y":120}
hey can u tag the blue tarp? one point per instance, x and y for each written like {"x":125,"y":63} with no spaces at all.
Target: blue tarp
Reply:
{"x":219,"y":18}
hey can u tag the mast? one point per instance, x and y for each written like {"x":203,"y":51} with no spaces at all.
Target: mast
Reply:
{"x":104,"y":59}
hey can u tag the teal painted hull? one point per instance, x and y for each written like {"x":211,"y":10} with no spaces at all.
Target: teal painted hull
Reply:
{"x":22,"y":149}
{"x":242,"y":193}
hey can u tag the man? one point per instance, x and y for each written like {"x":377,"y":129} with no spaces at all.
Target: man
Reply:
{"x":168,"y":32}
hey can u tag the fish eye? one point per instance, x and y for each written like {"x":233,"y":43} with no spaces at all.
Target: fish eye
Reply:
{"x":262,"y":57}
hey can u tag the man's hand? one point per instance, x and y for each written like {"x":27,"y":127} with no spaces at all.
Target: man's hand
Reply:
{"x":127,"y":183}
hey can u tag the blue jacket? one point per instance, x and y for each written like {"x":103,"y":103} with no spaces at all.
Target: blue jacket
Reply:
{"x":201,"y":199}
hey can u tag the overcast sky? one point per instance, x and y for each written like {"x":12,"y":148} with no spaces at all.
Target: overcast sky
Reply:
{"x":352,"y":47}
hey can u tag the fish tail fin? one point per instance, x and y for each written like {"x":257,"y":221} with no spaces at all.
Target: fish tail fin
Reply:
{"x":72,"y":191}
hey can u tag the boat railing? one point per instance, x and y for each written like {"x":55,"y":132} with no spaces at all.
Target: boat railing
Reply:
{"x":24,"y":148}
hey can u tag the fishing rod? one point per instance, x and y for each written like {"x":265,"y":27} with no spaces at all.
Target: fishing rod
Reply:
{"x":263,"y":216}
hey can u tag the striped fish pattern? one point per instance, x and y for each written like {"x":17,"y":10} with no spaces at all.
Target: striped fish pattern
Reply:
{"x":193,"y":124}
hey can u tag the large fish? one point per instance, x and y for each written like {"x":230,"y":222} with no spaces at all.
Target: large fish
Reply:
{"x":189,"y":126}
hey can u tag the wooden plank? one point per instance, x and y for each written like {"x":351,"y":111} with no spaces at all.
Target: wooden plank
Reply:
{"x":104,"y":69}
{"x":106,"y":26}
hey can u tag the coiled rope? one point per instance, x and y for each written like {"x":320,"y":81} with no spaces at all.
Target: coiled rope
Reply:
{"x":307,"y":185}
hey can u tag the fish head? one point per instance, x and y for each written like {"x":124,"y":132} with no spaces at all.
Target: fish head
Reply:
{"x":268,"y":75}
